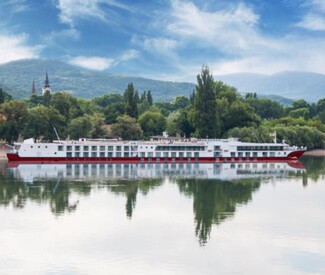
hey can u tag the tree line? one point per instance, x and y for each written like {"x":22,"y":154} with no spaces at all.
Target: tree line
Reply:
{"x":213,"y":110}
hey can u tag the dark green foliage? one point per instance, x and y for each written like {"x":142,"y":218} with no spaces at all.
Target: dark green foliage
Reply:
{"x":67,"y":105}
{"x":13,"y":118}
{"x":41,"y":122}
{"x":301,"y":136}
{"x":106,"y":100}
{"x":251,"y":134}
{"x":130,"y":101}
{"x":126,"y":128}
{"x":80,"y":127}
{"x":265,"y":108}
{"x":149,"y":98}
{"x":4,"y":96}
{"x":205,"y":110}
{"x":152,"y":123}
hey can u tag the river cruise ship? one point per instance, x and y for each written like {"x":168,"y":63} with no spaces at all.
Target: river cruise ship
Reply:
{"x":154,"y":151}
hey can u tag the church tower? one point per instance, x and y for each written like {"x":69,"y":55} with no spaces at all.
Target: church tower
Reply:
{"x":46,"y":86}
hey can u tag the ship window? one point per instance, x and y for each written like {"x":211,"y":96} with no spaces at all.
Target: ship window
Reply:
{"x":158,"y":155}
{"x":118,"y":154}
{"x":86,"y":155}
{"x":69,"y":148}
{"x":188,"y":154}
{"x":126,"y":148}
{"x":77,"y":148}
{"x":77,"y":155}
{"x":102,"y":148}
{"x":181,"y":154}
{"x":109,"y":148}
{"x":102,"y":154}
{"x":39,"y":146}
{"x":216,"y":148}
{"x":93,"y":148}
{"x":264,"y":154}
{"x":232,"y":154}
{"x":93,"y":154}
{"x":173,"y":154}
{"x":110,"y":154}
{"x":240,"y":154}
{"x":255,"y":154}
{"x":196,"y":154}
{"x":60,"y":148}
{"x":126,"y":154}
{"x":118,"y":148}
{"x":165,"y":154}
{"x":216,"y":154}
{"x":142,"y":154}
{"x":69,"y":155}
{"x":86,"y":148}
{"x":150,"y":154}
{"x":247,"y":154}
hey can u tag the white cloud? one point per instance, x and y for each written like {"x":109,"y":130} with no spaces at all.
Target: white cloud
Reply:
{"x":70,"y":10}
{"x":93,"y":62}
{"x":14,"y":47}
{"x":227,"y":29}
{"x":314,"y":19}
{"x":130,"y":54}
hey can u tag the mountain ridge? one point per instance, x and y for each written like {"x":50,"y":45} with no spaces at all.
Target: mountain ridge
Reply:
{"x":16,"y":78}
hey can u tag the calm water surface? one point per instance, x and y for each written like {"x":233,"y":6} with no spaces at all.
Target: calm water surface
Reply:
{"x":163,"y":218}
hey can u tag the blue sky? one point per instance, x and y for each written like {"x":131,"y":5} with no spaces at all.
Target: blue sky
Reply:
{"x":167,"y":39}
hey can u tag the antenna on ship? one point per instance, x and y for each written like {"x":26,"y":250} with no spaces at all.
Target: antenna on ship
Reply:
{"x":57,"y":135}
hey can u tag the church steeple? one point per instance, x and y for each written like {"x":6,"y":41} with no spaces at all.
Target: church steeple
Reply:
{"x":46,"y":86}
{"x":33,"y":88}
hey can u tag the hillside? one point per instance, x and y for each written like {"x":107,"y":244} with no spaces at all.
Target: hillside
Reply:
{"x":294,"y":85}
{"x":16,"y":78}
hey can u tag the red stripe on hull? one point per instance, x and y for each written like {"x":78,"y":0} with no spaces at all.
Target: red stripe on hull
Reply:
{"x":15,"y":160}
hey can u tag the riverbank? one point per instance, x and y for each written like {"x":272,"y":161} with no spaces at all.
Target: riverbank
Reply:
{"x":315,"y":153}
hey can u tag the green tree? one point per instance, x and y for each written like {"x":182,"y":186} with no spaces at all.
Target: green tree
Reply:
{"x":4,"y":96}
{"x":126,"y":128}
{"x":14,"y":115}
{"x":98,"y":130}
{"x":41,"y":122}
{"x":152,"y":123}
{"x":180,"y":102}
{"x":130,"y":101}
{"x":112,"y":111}
{"x":172,"y":127}
{"x":205,"y":121}
{"x":80,"y":127}
{"x":66,"y":104}
{"x":149,"y":98}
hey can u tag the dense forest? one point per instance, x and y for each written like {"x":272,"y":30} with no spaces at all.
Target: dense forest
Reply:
{"x":214,"y":110}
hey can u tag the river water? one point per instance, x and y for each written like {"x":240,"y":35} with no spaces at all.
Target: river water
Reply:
{"x":250,"y":218}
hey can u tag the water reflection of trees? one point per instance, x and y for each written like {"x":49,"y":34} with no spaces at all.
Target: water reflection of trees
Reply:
{"x":315,"y":168}
{"x":215,"y":201}
{"x":58,"y":192}
{"x":131,"y":188}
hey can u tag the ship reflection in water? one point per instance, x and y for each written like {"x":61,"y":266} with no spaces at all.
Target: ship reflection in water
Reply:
{"x":215,"y":188}
{"x":101,"y":172}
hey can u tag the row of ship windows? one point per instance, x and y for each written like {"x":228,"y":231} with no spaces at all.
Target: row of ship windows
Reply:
{"x":103,"y":148}
{"x":166,"y":154}
{"x":259,"y":148}
{"x":247,"y":154}
{"x":127,"y":154}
